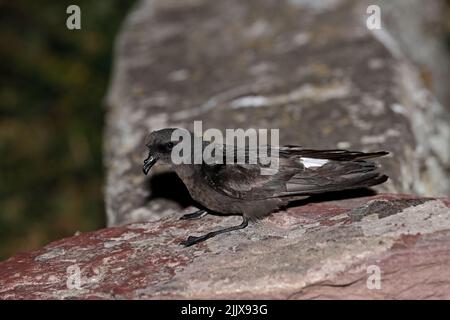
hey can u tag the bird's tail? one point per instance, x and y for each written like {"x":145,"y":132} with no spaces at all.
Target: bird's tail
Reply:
{"x":336,"y":176}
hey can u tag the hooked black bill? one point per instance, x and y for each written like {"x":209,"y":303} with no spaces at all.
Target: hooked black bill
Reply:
{"x":148,"y":163}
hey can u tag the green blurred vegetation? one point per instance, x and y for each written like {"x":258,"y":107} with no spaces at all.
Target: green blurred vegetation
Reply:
{"x":52,"y":84}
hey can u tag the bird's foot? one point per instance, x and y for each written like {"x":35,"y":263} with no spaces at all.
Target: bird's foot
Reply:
{"x":191,"y":240}
{"x":194,"y":215}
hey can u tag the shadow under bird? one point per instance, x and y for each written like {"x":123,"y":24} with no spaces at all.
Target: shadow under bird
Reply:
{"x":241,"y":189}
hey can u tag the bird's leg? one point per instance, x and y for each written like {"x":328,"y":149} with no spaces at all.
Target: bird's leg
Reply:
{"x":194,"y":215}
{"x":193,"y":240}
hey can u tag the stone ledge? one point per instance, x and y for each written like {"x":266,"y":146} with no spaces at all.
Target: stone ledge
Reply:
{"x":313,"y":71}
{"x":317,"y":250}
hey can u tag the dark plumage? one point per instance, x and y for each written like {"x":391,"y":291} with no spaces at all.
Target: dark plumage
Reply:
{"x":242,"y":189}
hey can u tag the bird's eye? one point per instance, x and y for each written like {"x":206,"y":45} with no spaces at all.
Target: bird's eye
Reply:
{"x":169,"y":145}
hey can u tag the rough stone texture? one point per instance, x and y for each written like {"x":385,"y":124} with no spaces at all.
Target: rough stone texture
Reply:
{"x":318,"y":250}
{"x":310,"y":68}
{"x":419,"y":29}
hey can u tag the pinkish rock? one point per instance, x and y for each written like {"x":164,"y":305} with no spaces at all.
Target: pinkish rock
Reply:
{"x":333,"y":249}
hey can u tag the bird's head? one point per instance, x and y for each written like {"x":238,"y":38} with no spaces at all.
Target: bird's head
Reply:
{"x":160,"y":144}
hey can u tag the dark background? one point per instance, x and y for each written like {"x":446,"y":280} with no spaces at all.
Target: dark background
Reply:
{"x":52,"y":85}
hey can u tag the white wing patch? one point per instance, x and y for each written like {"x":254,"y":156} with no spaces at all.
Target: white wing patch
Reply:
{"x":313,"y":163}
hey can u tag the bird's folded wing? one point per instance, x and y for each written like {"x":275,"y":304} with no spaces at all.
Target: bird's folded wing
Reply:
{"x":244,"y":181}
{"x":300,"y":172}
{"x":234,"y":174}
{"x":331,"y":154}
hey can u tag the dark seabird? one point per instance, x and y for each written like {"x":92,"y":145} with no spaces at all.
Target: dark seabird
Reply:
{"x":241,"y":188}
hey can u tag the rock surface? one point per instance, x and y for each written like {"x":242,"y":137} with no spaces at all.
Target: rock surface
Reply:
{"x":309,"y":68}
{"x":322,"y":249}
{"x":419,"y":28}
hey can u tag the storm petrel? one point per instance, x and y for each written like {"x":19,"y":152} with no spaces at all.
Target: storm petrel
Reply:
{"x":241,"y":189}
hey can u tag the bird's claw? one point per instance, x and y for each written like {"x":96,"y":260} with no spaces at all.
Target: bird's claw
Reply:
{"x":191,"y":240}
{"x":194,"y":215}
